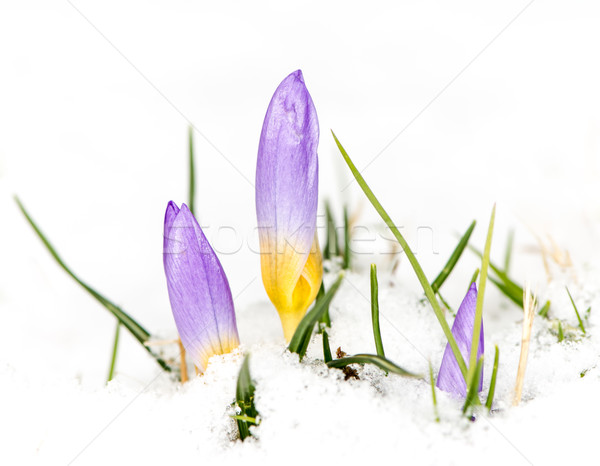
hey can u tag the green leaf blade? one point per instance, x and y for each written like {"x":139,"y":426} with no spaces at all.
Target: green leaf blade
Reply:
{"x":432,"y":383}
{"x":507,"y":286}
{"x":113,"y":358}
{"x":347,"y":251}
{"x":453,"y":260}
{"x":374,"y":359}
{"x":375,"y":312}
{"x":138,"y":332}
{"x":325,"y":319}
{"x":326,"y":349}
{"x":544,"y":310}
{"x":485,"y":261}
{"x":581,"y":326}
{"x":244,"y":397}
{"x":492,"y":390}
{"x":509,"y":249}
{"x":411,"y":257}
{"x":192,"y":172}
{"x":472,"y":399}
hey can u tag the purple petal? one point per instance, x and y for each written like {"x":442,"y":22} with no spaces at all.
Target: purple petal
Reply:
{"x":170,"y":214}
{"x":287,"y":171}
{"x":450,"y":378}
{"x":198,"y":289}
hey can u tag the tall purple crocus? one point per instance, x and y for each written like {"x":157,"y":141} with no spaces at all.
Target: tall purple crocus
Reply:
{"x":450,"y":378}
{"x":198,"y":289}
{"x":286,"y":202}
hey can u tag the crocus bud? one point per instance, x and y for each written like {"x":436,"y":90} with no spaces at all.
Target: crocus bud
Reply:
{"x":198,"y":289}
{"x":450,"y":379}
{"x":286,"y":202}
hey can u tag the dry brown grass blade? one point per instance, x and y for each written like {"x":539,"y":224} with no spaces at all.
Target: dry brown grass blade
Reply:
{"x":529,"y":308}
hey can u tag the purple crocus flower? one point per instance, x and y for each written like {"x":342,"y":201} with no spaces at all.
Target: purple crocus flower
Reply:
{"x":286,"y":202}
{"x":198,"y":289}
{"x":450,"y":378}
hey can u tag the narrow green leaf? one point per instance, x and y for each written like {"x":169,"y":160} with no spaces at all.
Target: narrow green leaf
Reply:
{"x":576,"y":311}
{"x":544,"y":310}
{"x":473,"y":278}
{"x":325,"y":320}
{"x":378,"y":361}
{"x":411,"y":258}
{"x":472,"y":399}
{"x":445,"y":303}
{"x":509,"y":291}
{"x":192,"y":174}
{"x":375,"y":311}
{"x":492,"y":390}
{"x":510,"y":284}
{"x":331,"y":249}
{"x":432,"y":383}
{"x":481,"y":294}
{"x":247,"y":419}
{"x":504,"y":283}
{"x":244,"y":397}
{"x":460,"y":247}
{"x":245,"y":388}
{"x":347,"y":251}
{"x":301,"y":338}
{"x":138,"y":332}
{"x":113,"y":358}
{"x":326,"y":349}
{"x":509,"y":249}
{"x":561,"y":333}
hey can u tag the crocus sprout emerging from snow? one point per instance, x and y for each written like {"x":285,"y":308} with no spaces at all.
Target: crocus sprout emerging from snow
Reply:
{"x":450,"y":378}
{"x":198,"y":289}
{"x":286,"y":202}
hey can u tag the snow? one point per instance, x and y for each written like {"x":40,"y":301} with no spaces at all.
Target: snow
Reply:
{"x":95,"y":153}
{"x":309,"y":411}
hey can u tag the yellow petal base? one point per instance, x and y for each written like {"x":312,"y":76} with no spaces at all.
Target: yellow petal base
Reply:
{"x":292,"y":296}
{"x":217,"y":347}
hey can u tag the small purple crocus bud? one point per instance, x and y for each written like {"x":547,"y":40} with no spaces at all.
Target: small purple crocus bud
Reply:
{"x":198,"y":289}
{"x":450,"y":378}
